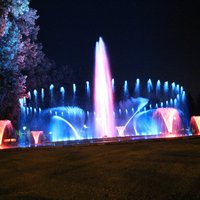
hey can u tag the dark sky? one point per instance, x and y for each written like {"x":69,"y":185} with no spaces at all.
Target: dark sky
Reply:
{"x":145,"y":39}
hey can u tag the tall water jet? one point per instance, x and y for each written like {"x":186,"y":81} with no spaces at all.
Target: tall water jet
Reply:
{"x":126,"y":92}
{"x":171,"y":102}
{"x":103,"y":96}
{"x":42,"y":95}
{"x":51,"y":87}
{"x":181,"y":90}
{"x":173,"y":88}
{"x":177,"y":88}
{"x":183,"y":96}
{"x":149,"y":86}
{"x":35,"y":93}
{"x":74,"y":93}
{"x":158,"y":85}
{"x":88,"y":88}
{"x":166,"y":87}
{"x":62,"y":91}
{"x":113,"y":85}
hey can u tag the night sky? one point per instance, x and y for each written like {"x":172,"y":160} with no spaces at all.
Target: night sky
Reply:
{"x":144,"y":39}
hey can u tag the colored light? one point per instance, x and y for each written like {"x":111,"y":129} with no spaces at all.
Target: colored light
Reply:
{"x":169,"y":115}
{"x":36,"y":135}
{"x":195,"y":123}
{"x":103,"y":96}
{"x":3,"y":125}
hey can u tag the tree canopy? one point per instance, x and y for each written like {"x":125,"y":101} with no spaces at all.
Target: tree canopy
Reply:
{"x":21,"y":55}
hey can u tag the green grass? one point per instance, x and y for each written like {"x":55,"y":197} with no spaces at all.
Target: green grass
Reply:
{"x":135,"y":170}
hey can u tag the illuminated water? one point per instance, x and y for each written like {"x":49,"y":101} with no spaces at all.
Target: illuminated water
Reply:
{"x":195,"y":124}
{"x":36,"y":135}
{"x":7,"y":133}
{"x":76,"y":112}
{"x":103,"y":96}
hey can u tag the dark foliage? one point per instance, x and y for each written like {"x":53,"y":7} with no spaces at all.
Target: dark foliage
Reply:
{"x":21,"y":58}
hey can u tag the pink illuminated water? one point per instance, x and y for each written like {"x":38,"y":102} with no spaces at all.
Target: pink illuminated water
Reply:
{"x":195,"y":122}
{"x":120,"y":130}
{"x":171,"y":119}
{"x":103,"y":96}
{"x":3,"y":125}
{"x":36,"y":135}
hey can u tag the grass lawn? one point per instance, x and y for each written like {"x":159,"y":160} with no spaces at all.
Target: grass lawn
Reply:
{"x":145,"y":170}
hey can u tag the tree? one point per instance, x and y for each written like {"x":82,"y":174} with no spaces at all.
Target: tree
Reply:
{"x":22,"y":61}
{"x":20,"y":55}
{"x":12,"y":82}
{"x":33,"y":61}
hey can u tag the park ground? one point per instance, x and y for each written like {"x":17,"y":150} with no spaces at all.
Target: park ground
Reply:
{"x":141,"y":170}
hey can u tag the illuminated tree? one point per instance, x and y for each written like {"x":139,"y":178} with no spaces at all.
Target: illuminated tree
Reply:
{"x":20,"y":55}
{"x":33,"y":61}
{"x":23,"y":65}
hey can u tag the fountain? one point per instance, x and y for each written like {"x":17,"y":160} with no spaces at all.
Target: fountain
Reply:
{"x":149,"y":109}
{"x":195,"y":124}
{"x":171,"y":119}
{"x":7,"y":134}
{"x":103,"y":96}
{"x":36,"y":135}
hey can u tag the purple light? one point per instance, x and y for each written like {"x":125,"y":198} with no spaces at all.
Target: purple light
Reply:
{"x":103,"y":96}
